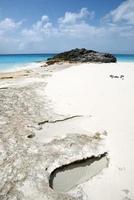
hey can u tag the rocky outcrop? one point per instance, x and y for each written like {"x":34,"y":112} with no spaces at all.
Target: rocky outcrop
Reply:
{"x":83,"y":56}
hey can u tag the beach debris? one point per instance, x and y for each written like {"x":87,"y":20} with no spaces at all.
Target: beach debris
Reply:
{"x":14,"y":74}
{"x":6,"y":77}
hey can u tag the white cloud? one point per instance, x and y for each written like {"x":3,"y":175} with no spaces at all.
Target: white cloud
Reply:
{"x":41,"y":23}
{"x":9,"y":24}
{"x":123,"y":13}
{"x":42,"y":28}
{"x":72,"y":18}
{"x":73,"y":30}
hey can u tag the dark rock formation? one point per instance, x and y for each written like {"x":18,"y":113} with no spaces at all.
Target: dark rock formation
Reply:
{"x":82,"y":55}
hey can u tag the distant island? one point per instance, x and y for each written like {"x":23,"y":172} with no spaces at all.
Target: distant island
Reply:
{"x":83,"y":56}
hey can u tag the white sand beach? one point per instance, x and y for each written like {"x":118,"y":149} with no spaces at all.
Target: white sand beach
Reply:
{"x":87,"y":89}
{"x":66,"y":100}
{"x":97,"y":101}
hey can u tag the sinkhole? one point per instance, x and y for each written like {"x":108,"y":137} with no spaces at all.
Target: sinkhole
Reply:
{"x":67,"y":177}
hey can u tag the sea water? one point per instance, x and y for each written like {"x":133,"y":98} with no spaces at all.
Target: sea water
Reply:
{"x":9,"y":62}
{"x":124,"y":57}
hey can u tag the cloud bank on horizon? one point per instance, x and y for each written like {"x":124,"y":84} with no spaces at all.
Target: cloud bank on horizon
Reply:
{"x":114,"y":33}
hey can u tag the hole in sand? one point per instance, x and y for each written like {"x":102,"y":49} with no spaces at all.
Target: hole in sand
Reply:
{"x":31,"y":136}
{"x":67,"y":177}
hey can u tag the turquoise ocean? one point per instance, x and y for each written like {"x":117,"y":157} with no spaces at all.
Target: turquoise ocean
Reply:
{"x":19,"y":61}
{"x":9,"y":62}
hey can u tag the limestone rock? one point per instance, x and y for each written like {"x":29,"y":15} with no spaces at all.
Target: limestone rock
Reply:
{"x":25,"y":164}
{"x":83,"y":56}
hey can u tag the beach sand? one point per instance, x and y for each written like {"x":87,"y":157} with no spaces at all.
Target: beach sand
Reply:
{"x":88,"y":89}
{"x":103,"y":102}
{"x":15,"y":74}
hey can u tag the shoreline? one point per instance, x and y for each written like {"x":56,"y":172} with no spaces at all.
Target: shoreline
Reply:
{"x":37,"y":65}
{"x":27,"y":66}
{"x":40,"y":67}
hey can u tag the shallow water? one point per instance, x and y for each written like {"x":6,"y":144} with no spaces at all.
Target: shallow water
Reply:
{"x":124,"y":57}
{"x":69,"y":176}
{"x":11,"y":62}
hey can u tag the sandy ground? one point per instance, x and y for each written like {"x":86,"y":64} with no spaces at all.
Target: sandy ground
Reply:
{"x":28,"y":151}
{"x":86,"y":90}
{"x":11,"y":75}
{"x":103,"y":102}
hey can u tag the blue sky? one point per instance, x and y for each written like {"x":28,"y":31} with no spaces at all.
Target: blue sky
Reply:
{"x":35,"y":26}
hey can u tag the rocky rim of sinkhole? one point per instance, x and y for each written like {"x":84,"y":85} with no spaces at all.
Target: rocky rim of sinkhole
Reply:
{"x":67,"y":177}
{"x":26,"y":167}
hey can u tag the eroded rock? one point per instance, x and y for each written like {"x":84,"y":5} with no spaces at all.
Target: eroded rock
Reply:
{"x":25,"y":164}
{"x":83,"y":56}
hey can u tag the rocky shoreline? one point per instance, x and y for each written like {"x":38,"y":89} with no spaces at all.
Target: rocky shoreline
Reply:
{"x":82,"y":56}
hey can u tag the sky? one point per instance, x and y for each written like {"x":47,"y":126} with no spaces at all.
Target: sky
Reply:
{"x":51,"y":26}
